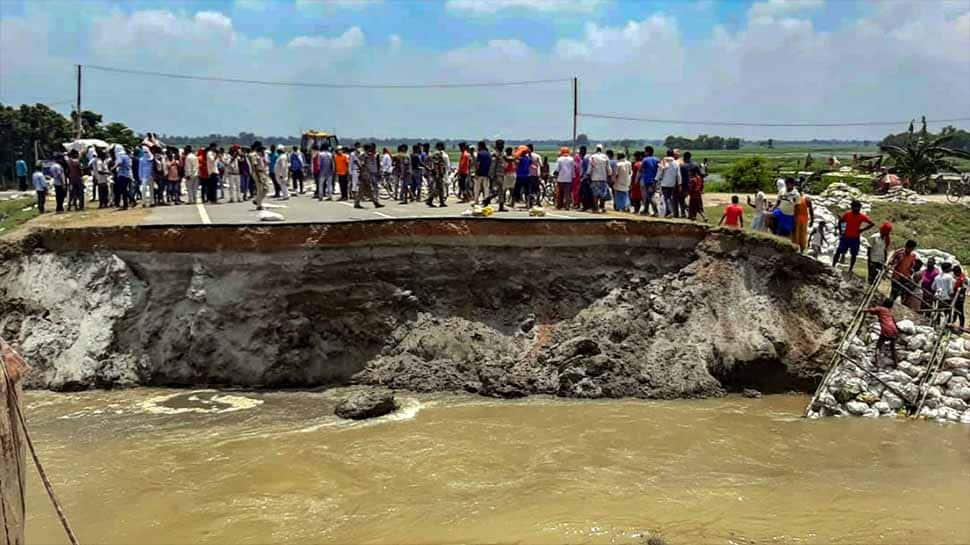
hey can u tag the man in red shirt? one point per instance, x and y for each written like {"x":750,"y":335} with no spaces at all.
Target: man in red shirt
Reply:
{"x":733,"y":215}
{"x":850,"y":231}
{"x":464,"y":163}
{"x":887,"y":329}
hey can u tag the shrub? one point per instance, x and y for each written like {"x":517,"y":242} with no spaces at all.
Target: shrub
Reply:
{"x":749,"y":174}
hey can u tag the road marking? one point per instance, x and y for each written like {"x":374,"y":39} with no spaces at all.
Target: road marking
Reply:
{"x":203,"y":214}
{"x":550,"y":214}
{"x":345,"y":203}
{"x":383,"y":215}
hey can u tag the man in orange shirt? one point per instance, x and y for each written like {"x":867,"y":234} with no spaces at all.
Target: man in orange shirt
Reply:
{"x":804,"y":216}
{"x":342,"y":167}
{"x":902,"y":263}
{"x":849,"y":235}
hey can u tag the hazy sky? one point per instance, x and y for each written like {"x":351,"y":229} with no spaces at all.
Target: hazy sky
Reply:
{"x":809,"y":61}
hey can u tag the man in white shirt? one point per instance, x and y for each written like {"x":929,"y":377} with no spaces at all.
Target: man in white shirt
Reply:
{"x":599,"y":172}
{"x":878,"y":250}
{"x":669,"y":177}
{"x":191,"y":174}
{"x":785,"y":209}
{"x":565,"y":168}
{"x":212,"y":166}
{"x":943,"y":287}
{"x":621,"y":183}
{"x":282,"y":171}
{"x":759,"y":205}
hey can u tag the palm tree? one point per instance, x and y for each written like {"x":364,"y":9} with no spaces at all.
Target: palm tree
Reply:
{"x":922,"y":155}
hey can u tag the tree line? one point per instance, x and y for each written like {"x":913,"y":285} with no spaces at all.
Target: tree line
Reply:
{"x":702,"y":142}
{"x":958,"y":138}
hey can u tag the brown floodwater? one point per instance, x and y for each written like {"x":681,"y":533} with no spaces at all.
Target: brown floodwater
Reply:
{"x":150,"y":466}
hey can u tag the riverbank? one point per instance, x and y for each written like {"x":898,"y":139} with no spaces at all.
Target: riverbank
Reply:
{"x":276,"y":466}
{"x":649,"y":309}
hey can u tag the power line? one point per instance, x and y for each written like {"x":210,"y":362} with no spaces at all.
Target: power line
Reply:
{"x":327,"y":85}
{"x":746,"y":124}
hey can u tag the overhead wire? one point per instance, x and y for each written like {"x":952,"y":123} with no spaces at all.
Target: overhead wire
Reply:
{"x":757,"y":124}
{"x":326,"y":85}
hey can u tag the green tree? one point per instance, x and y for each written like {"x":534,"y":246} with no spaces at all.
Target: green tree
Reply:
{"x":582,"y":139}
{"x":21,"y":128}
{"x":749,"y":174}
{"x":118,"y":133}
{"x":923,"y":154}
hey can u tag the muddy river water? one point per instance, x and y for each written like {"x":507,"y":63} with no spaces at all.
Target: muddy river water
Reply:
{"x":151,"y":466}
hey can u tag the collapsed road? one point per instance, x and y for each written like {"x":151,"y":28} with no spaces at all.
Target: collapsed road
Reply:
{"x":656,"y":309}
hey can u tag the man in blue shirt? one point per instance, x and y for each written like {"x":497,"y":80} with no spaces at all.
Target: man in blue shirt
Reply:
{"x":21,"y":168}
{"x":483,"y":164}
{"x":40,"y":186}
{"x":648,"y":181}
{"x":122,"y":167}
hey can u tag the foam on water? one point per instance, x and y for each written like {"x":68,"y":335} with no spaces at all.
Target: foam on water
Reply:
{"x":203,"y":402}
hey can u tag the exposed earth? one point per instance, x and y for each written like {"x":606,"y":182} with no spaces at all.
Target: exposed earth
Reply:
{"x":502,"y":308}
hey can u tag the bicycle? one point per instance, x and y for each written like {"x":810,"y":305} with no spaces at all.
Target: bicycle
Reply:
{"x":956,"y":189}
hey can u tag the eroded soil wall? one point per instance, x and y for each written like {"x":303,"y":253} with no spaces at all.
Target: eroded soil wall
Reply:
{"x":506,"y":308}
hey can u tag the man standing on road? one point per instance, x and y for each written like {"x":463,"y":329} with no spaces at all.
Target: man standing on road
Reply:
{"x":669,"y":177}
{"x":341,"y":166}
{"x":296,"y":169}
{"x":464,"y":168}
{"x":687,"y":171}
{"x":282,"y":170}
{"x":369,"y":177}
{"x":232,"y":173}
{"x":497,"y":176}
{"x":402,"y":173}
{"x":212,"y":165}
{"x":101,"y":175}
{"x":439,"y":169}
{"x":849,"y":235}
{"x":879,"y":244}
{"x":325,"y":183}
{"x":565,"y":169}
{"x":599,"y":172}
{"x":535,"y":170}
{"x":20,"y":169}
{"x":260,"y":173}
{"x":648,"y":181}
{"x":483,"y":164}
{"x":191,"y":174}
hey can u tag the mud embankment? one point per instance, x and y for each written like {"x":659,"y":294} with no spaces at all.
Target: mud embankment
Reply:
{"x":503,"y":308}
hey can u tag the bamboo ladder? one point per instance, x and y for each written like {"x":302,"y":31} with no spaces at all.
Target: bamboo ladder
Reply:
{"x":839,"y":356}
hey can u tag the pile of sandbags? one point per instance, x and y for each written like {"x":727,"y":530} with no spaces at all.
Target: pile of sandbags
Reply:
{"x":851,"y":391}
{"x":839,"y":197}
{"x":900,"y":194}
{"x":941,"y":257}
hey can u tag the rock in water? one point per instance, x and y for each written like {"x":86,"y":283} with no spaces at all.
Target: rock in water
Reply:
{"x":752,"y":393}
{"x":366,"y":405}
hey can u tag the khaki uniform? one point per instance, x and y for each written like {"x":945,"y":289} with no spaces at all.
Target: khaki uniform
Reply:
{"x":260,"y":173}
{"x":438,"y":169}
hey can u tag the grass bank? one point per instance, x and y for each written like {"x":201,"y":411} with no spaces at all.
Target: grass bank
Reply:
{"x":15,"y":212}
{"x":942,"y":226}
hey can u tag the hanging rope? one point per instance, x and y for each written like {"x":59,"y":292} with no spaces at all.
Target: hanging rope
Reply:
{"x":12,"y":392}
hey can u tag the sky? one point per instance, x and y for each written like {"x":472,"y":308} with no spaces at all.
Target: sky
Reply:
{"x":766,"y":61}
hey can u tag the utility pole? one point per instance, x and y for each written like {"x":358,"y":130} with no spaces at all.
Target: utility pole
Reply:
{"x":78,"y":105}
{"x":575,"y":107}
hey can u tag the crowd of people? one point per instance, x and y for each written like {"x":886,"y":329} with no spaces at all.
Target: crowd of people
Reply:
{"x":669,"y":186}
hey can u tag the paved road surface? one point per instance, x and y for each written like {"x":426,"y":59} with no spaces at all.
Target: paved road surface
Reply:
{"x":307,"y":209}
